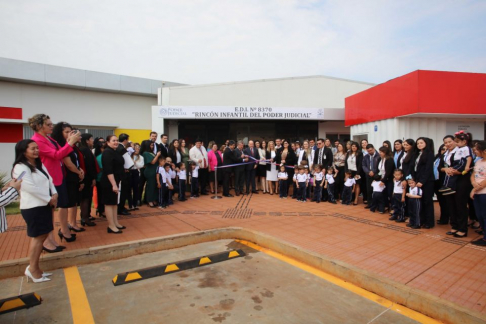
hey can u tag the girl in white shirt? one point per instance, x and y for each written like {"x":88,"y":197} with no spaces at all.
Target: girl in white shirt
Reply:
{"x":318,"y":183}
{"x":330,"y":185}
{"x":414,"y":203}
{"x":399,"y":191}
{"x":282,"y":177}
{"x":301,"y":184}
{"x":349,"y":184}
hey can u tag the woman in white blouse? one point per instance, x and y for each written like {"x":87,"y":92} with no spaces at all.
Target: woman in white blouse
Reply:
{"x":272,"y":172}
{"x":37,"y":199}
{"x":306,"y":154}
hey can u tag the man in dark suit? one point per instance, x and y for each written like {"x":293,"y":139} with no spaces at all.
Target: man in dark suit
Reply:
{"x":240,"y":169}
{"x":122,"y":150}
{"x":250,"y":169}
{"x":323,"y":156}
{"x":229,"y":157}
{"x":370,"y":168}
{"x":164,"y":145}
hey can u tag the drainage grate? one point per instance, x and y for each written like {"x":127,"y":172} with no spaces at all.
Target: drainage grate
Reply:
{"x":377,"y":224}
{"x":260,"y":213}
{"x":237,"y":213}
{"x":454,"y":241}
{"x":216,"y":212}
{"x":275,"y":213}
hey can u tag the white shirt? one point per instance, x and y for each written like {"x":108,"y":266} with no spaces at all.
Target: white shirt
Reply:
{"x":139,"y":162}
{"x":195,"y":172}
{"x":161,"y":171}
{"x":34,"y":190}
{"x":462,"y":153}
{"x":403,"y":158}
{"x":178,"y":157}
{"x":416,"y":191}
{"x":319,"y":176}
{"x":301,"y":177}
{"x":398,"y":189}
{"x":352,"y":162}
{"x":282,"y":175}
{"x":350,"y":182}
{"x":330,"y":178}
{"x":172,"y":173}
{"x":381,"y":168}
{"x":182,"y":175}
{"x":310,"y":159}
{"x":448,"y":155}
{"x":376,"y":186}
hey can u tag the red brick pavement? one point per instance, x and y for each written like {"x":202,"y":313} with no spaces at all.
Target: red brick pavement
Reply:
{"x":425,"y":259}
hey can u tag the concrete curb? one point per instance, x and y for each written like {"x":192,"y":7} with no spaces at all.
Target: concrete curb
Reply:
{"x":412,"y":298}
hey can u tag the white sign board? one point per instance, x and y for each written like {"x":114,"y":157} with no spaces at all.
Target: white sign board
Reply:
{"x":232,"y":112}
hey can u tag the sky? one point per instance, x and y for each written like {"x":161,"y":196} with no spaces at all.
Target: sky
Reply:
{"x":200,"y":42}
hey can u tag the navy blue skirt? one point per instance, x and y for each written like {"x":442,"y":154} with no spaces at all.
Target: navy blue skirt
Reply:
{"x":39,"y":220}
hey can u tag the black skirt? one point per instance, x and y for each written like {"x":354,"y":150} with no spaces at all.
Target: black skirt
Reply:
{"x":261,"y":171}
{"x":109,"y":197}
{"x":73,"y":193}
{"x":39,"y":220}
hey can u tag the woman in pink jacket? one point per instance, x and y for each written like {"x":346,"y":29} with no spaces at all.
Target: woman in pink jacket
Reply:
{"x":51,"y":155}
{"x":215,"y":158}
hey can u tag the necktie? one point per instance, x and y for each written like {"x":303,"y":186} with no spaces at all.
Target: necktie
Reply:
{"x":320,"y":157}
{"x":252,"y":151}
{"x":371,"y":162}
{"x":204,"y":160}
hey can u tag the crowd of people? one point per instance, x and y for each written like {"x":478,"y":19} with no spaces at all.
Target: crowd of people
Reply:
{"x":64,"y":169}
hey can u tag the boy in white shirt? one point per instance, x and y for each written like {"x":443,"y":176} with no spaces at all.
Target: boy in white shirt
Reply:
{"x":330,"y":185}
{"x":164,"y":184}
{"x":349,"y":184}
{"x":182,"y":182}
{"x":318,"y":183}
{"x":377,"y":200}
{"x":414,"y":203}
{"x":301,"y":184}
{"x":282,"y":177}
{"x":194,"y":179}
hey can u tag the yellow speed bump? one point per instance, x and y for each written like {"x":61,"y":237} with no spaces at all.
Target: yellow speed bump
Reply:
{"x":19,"y":302}
{"x":160,"y":270}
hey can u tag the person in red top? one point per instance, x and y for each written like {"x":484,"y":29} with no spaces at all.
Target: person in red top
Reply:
{"x":51,"y":155}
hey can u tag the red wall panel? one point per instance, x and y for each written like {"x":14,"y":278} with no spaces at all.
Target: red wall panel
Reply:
{"x":11,"y":133}
{"x":387,"y":100}
{"x":452,"y":92}
{"x":10,"y":113}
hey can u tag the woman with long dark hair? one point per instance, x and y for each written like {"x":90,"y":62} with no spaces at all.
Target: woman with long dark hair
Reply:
{"x":37,"y":200}
{"x":397,"y":152}
{"x":406,"y":161}
{"x":423,"y":174}
{"x":92,"y":168}
{"x":339,"y":164}
{"x":386,"y":166}
{"x":175,"y":152}
{"x":74,"y":167}
{"x":113,"y":172}
{"x":353,"y":163}
{"x":262,"y":166}
{"x":52,"y":156}
{"x":439,"y":180}
{"x":287,"y":157}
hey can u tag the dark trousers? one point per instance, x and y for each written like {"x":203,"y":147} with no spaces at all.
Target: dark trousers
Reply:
{"x":226,"y":181}
{"x":458,"y":204}
{"x":369,"y":189}
{"x":388,"y":193}
{"x":250,"y":180}
{"x":239,"y":180}
{"x":340,"y":182}
{"x":347,"y":195}
{"x":101,"y":205}
{"x":414,"y":207}
{"x":301,"y":191}
{"x":378,"y":201}
{"x":133,"y":192}
{"x":203,"y":180}
{"x":444,"y":209}
{"x":480,"y":207}
{"x":164,"y":195}
{"x":427,"y":216}
{"x":398,"y":207}
{"x":182,"y":190}
{"x":318,"y":191}
{"x":194,"y":186}
{"x":330,"y":192}
{"x":283,"y":188}
{"x":173,"y":191}
{"x":141,"y":186}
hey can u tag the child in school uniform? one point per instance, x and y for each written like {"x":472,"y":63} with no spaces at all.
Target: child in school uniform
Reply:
{"x":329,"y":185}
{"x":163,"y":184}
{"x":309,"y":182}
{"x":194,"y":180}
{"x":318,"y":183}
{"x":378,"y":198}
{"x":282,"y":177}
{"x":414,"y":203}
{"x":399,"y":191}
{"x":460,"y":159}
{"x":301,"y":184}
{"x":349,"y":184}
{"x":181,"y":174}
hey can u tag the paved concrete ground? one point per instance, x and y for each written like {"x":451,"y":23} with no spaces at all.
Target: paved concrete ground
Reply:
{"x":253,"y":289}
{"x":429,"y":260}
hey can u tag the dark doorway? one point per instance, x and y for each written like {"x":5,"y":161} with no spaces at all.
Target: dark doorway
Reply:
{"x":221,"y":130}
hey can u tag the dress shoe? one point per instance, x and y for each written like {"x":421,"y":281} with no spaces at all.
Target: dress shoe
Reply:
{"x":451,"y":233}
{"x":121,"y":227}
{"x":480,"y":242}
{"x":110,"y":231}
{"x":57,"y":249}
{"x":124,"y":213}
